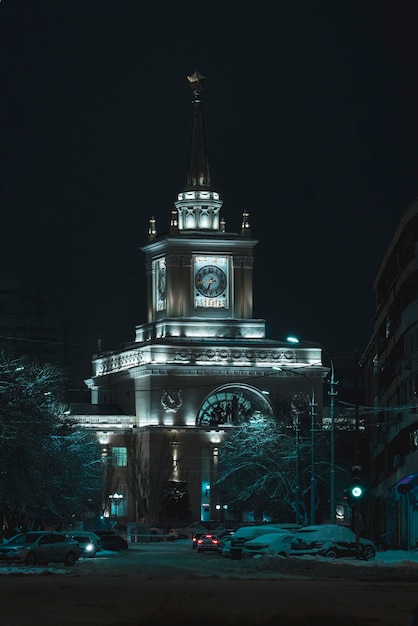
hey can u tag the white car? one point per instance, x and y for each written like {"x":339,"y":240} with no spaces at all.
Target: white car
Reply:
{"x":247,"y":533}
{"x":270,"y":544}
{"x":40,"y":547}
{"x":332,"y":541}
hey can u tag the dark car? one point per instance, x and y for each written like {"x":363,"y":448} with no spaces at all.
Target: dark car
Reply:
{"x":88,"y":541}
{"x":111,"y":540}
{"x":208,"y":542}
{"x":212,"y":527}
{"x":40,"y":547}
{"x":332,"y":541}
{"x":225,"y":537}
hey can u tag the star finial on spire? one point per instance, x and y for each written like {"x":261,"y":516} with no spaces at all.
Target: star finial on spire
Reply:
{"x":196,"y":83}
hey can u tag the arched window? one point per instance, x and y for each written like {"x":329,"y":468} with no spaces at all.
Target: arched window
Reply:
{"x":231,"y":405}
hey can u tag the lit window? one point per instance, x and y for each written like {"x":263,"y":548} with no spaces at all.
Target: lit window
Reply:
{"x":120,"y":457}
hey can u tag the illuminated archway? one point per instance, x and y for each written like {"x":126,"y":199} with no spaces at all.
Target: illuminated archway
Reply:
{"x":232,"y":404}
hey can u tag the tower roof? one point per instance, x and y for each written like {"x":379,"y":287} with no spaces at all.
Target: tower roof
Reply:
{"x":198,"y":175}
{"x":198,"y":206}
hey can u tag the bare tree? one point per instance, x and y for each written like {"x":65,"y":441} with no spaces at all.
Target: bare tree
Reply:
{"x":48,"y":470}
{"x":265,"y":463}
{"x":256,"y":468}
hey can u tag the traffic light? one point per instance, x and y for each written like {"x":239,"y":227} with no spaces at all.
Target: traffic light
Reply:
{"x":356,"y":489}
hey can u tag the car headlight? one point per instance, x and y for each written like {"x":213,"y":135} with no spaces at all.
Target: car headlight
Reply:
{"x":89,"y":547}
{"x":13,"y":550}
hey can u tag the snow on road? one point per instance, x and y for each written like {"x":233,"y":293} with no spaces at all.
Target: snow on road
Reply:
{"x":393,"y":558}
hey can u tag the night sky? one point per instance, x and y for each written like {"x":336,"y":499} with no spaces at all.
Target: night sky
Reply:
{"x":311,"y":125}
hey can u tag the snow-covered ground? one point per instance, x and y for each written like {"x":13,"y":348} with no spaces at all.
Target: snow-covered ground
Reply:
{"x":21,"y":569}
{"x":393,"y":558}
{"x":398,"y":558}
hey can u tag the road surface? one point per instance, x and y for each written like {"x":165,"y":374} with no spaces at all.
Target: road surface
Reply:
{"x":160,"y":584}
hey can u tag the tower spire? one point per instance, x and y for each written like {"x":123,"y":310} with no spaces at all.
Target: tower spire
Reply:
{"x":197,"y":205}
{"x":198,"y":175}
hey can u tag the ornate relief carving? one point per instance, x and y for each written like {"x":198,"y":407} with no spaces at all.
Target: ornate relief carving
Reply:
{"x":119,"y":362}
{"x":171,"y":400}
{"x":224,"y":354}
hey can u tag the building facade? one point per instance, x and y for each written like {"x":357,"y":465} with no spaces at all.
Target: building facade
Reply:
{"x":390,"y":366}
{"x":201,"y":363}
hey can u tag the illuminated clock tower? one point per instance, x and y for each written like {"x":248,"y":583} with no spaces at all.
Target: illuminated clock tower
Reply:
{"x":199,"y":275}
{"x":201,"y":363}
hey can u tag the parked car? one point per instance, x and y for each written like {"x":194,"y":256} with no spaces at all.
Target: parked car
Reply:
{"x":247,"y":533}
{"x":219,"y":530}
{"x":197,"y":536}
{"x":208,"y":542}
{"x":224,"y":548}
{"x":111,"y":540}
{"x":89,"y":542}
{"x":226,"y":534}
{"x":40,"y":547}
{"x":332,"y":541}
{"x":272,"y":544}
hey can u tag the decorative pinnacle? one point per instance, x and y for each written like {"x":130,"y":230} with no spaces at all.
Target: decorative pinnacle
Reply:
{"x":196,"y":83}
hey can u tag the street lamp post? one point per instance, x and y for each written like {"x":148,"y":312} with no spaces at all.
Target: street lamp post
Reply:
{"x":116,"y":499}
{"x":297,"y":490}
{"x":297,"y":464}
{"x":332,"y":395}
{"x":313,"y":460}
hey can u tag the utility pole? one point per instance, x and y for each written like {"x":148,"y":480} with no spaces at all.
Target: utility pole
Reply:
{"x":313,"y":461}
{"x":332,"y":394}
{"x":357,"y":451}
{"x":296,"y":406}
{"x":357,"y":456}
{"x":297,"y":489}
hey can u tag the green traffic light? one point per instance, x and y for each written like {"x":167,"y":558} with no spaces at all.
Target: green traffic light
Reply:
{"x":356,"y":491}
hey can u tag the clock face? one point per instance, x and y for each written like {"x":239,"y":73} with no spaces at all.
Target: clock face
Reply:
{"x":160,"y":285}
{"x":210,"y":281}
